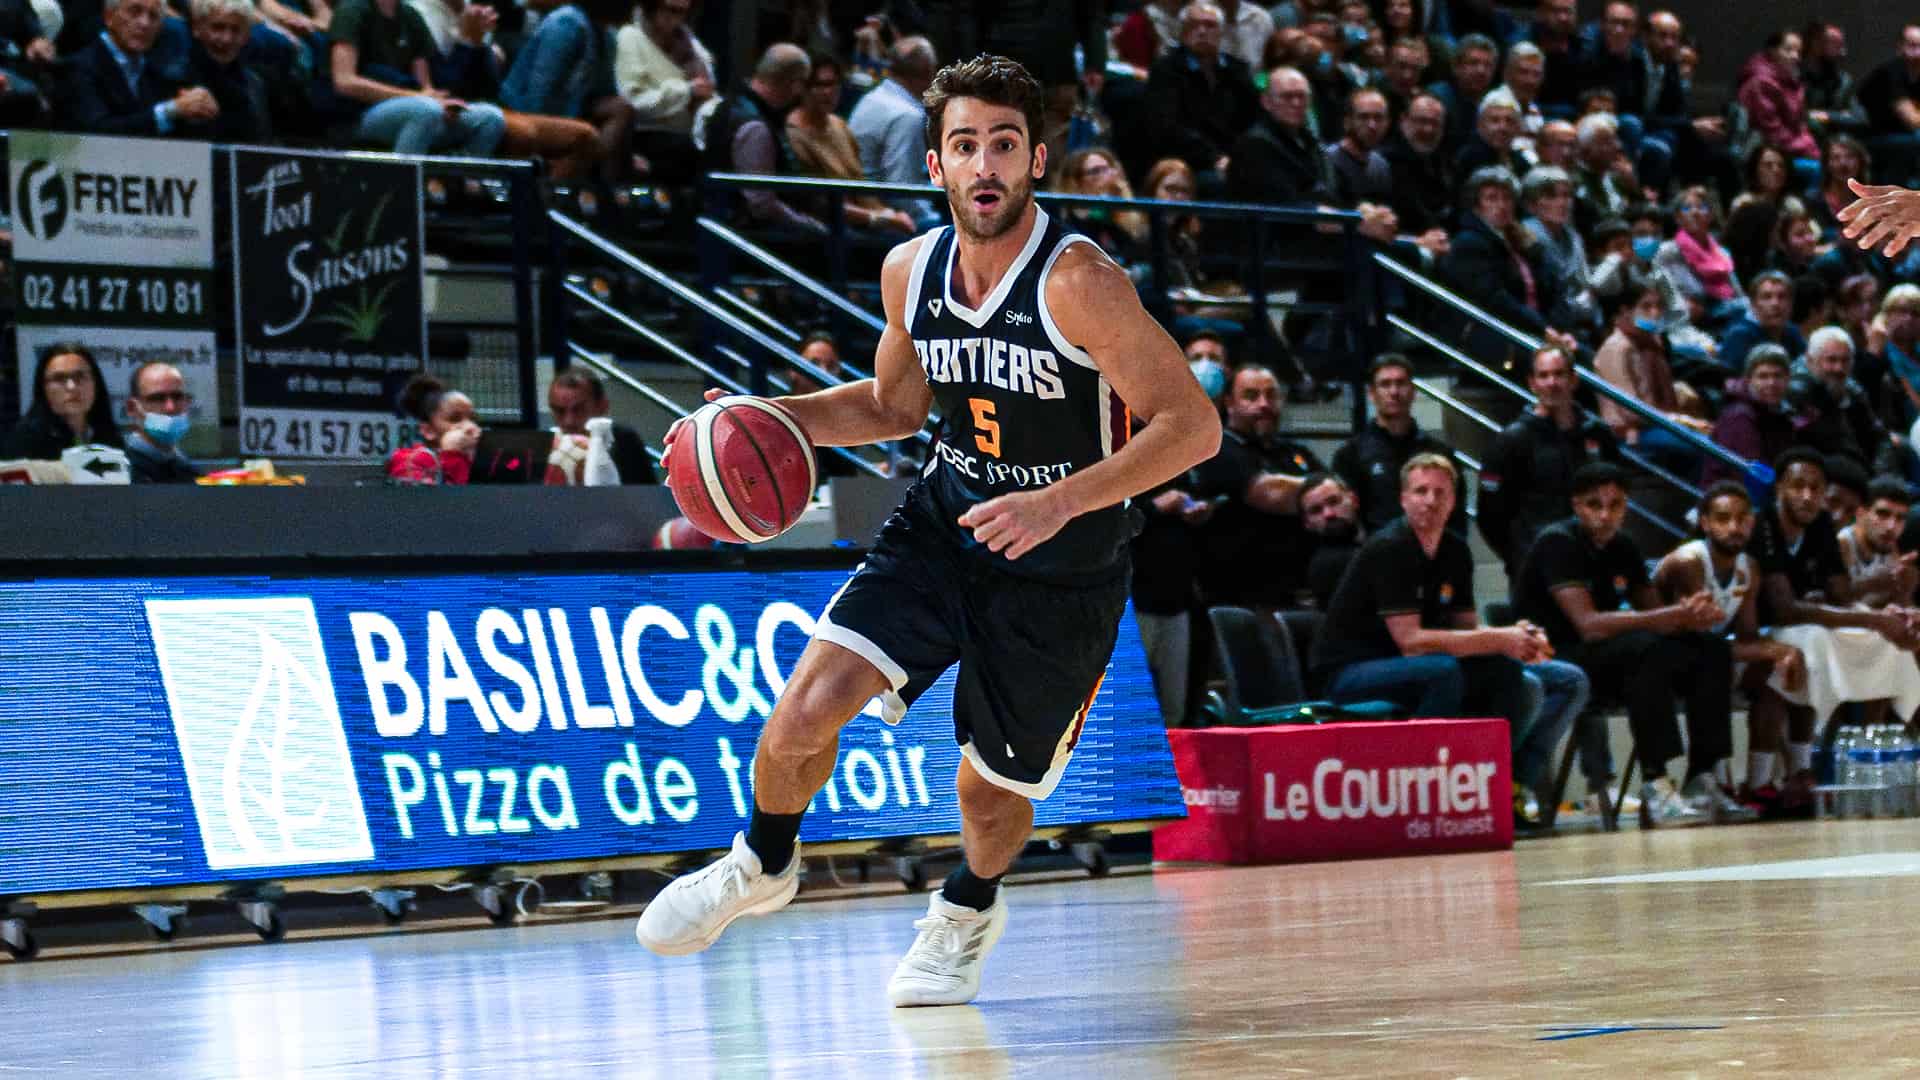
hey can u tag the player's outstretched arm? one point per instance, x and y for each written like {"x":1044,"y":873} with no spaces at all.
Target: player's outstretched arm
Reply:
{"x":1095,"y":307}
{"x":1884,"y":217}
{"x":894,"y":403}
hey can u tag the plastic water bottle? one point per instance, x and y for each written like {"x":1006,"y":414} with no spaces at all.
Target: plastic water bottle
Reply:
{"x":600,"y":470}
{"x":1847,"y":772}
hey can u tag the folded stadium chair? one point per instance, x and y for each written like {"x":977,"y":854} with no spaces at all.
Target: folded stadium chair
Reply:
{"x":1264,"y":684}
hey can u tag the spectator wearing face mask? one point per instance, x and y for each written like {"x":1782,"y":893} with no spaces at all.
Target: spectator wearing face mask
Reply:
{"x":448,"y":435}
{"x":1753,"y":421}
{"x":162,"y":414}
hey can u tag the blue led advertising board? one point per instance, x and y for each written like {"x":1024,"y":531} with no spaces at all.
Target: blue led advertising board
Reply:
{"x":186,"y":730}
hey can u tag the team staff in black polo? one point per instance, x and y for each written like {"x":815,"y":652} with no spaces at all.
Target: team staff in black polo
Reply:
{"x":1370,"y":461}
{"x":1402,"y":625}
{"x":1527,"y":477}
{"x":1586,"y":582}
{"x":1253,"y":551}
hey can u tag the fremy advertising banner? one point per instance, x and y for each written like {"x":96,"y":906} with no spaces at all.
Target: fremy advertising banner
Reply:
{"x":113,"y":242}
{"x":329,"y":302}
{"x":157,"y":731}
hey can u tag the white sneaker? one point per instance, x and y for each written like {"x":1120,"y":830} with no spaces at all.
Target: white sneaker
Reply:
{"x":943,"y":967}
{"x":1661,"y":804}
{"x":690,"y":913}
{"x":1706,"y":791}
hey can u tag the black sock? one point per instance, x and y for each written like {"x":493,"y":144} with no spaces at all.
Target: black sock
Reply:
{"x":772,"y":837}
{"x":968,"y":889}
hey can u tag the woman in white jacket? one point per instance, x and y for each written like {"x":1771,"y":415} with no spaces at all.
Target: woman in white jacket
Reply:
{"x":662,"y":68}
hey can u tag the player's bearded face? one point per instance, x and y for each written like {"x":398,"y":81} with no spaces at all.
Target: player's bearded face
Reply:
{"x":987,"y":167}
{"x":1729,"y":525}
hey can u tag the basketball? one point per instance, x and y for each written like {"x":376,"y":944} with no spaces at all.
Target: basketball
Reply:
{"x":679,"y":534}
{"x":741,"y":469}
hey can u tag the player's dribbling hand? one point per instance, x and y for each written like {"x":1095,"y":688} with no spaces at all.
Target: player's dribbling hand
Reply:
{"x":673,"y":432}
{"x":1016,"y":524}
{"x":1885,"y":216}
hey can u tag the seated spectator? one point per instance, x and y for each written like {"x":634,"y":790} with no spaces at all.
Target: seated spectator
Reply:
{"x":1401,"y":78}
{"x":26,"y":57}
{"x":1558,"y":145}
{"x":70,"y":408}
{"x":1626,"y":251}
{"x":1812,"y":304}
{"x":1147,"y":33}
{"x":1360,"y":172}
{"x":1527,"y":476}
{"x":161,"y":411}
{"x":1890,"y":94}
{"x":379,"y":63}
{"x":448,"y":431}
{"x":1697,"y":143}
{"x":1491,"y":143}
{"x":1206,"y":355}
{"x":1853,"y":652}
{"x":1753,"y":421}
{"x":1585,"y":582}
{"x":1495,"y":263}
{"x":1321,"y":58}
{"x":1402,"y":625}
{"x":823,"y":145}
{"x":1245,"y":29}
{"x":1695,"y":260}
{"x":1171,"y":180}
{"x":1831,"y":411}
{"x":1553,"y":29}
{"x":1633,"y":359}
{"x":1751,"y":219}
{"x":1251,"y":549}
{"x":565,"y":70}
{"x":1796,"y":244}
{"x":1474,"y":59}
{"x":243,"y":113}
{"x":115,"y":86}
{"x":667,"y":75}
{"x":1199,"y":99}
{"x":1165,"y":552}
{"x":576,"y":397}
{"x":1604,"y":181}
{"x":1833,"y":105}
{"x":741,"y":136}
{"x":890,"y":124}
{"x":1523,"y":75}
{"x":1122,"y":234}
{"x":1847,"y":484}
{"x":1331,"y":513}
{"x":1900,"y":344}
{"x":1775,"y":98}
{"x":306,"y":22}
{"x":1423,"y":199}
{"x":1370,"y":461}
{"x":1276,"y":160}
{"x":1548,"y":194}
{"x":1844,"y":158}
{"x":1720,"y":566}
{"x":1768,"y":321}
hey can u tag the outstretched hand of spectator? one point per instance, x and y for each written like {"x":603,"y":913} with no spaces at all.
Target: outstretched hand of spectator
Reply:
{"x":1883,"y":216}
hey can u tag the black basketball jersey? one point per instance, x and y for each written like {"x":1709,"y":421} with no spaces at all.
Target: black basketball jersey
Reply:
{"x":1020,"y":406}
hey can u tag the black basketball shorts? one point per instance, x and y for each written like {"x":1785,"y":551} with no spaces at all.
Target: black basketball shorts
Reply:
{"x":1032,"y":654}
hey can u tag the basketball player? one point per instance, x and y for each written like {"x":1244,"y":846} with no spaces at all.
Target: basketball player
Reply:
{"x":1007,"y":556}
{"x":1720,"y":566}
{"x":1869,"y":547}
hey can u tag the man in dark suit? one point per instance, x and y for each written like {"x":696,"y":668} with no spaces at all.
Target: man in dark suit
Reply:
{"x":114,"y":87}
{"x":220,"y":35}
{"x":1199,"y":98}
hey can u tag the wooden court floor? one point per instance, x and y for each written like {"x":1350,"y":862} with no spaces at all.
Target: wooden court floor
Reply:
{"x":1748,"y":951}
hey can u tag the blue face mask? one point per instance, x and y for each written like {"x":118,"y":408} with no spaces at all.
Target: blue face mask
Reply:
{"x":1324,"y":64}
{"x":1646,"y":247}
{"x":166,"y":430}
{"x":1212,"y":377}
{"x":1356,"y":36}
{"x":1646,"y":325}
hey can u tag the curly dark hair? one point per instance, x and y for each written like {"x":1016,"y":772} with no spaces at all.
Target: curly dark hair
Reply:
{"x":995,"y":80}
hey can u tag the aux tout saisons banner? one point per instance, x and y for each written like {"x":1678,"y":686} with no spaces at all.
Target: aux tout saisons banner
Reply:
{"x":252,"y":727}
{"x":329,"y":301}
{"x":113,"y":242}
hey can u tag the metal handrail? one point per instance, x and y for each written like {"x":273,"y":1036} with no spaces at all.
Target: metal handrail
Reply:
{"x":654,"y":337}
{"x":610,"y":370}
{"x":741,"y":304}
{"x":786,"y":270}
{"x":1461,"y":358}
{"x":1759,"y":471}
{"x":1487,"y":422}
